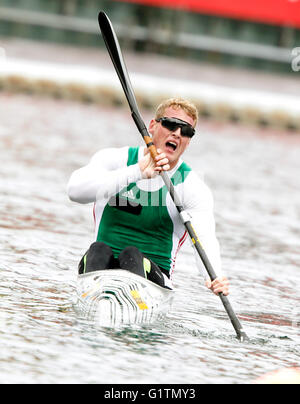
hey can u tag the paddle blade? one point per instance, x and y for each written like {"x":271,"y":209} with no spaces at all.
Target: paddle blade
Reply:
{"x":114,"y":50}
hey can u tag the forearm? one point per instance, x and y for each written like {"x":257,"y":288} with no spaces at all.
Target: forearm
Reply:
{"x":105,"y":175}
{"x":212,"y":250}
{"x":87,"y":184}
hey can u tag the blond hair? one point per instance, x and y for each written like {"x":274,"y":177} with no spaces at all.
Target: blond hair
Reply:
{"x":178,"y":103}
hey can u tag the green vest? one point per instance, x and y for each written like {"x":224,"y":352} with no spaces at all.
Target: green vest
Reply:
{"x":141,"y":219}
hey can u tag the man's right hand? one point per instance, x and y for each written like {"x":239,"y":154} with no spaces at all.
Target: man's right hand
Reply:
{"x":149,"y":168}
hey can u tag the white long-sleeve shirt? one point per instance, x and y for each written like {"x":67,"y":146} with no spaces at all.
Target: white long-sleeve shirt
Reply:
{"x":108,"y":174}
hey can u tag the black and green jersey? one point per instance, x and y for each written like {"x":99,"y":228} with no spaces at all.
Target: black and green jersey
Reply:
{"x":141,"y":218}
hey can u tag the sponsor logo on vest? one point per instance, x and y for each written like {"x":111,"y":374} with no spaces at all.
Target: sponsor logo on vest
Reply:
{"x":149,"y":195}
{"x":128,"y":194}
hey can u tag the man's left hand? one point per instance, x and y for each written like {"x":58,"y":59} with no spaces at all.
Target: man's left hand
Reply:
{"x":219,"y":285}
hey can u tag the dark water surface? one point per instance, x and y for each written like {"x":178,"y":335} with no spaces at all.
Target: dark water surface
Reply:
{"x":255,"y":180}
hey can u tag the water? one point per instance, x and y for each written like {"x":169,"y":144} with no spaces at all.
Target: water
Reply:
{"x":255,"y":180}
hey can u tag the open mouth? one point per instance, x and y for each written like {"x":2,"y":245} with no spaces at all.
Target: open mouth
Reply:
{"x":171,"y":145}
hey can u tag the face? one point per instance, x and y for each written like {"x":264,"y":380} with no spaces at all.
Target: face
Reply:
{"x":171,"y":142}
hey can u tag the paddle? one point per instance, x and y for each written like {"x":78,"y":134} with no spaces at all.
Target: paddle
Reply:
{"x":113,"y":47}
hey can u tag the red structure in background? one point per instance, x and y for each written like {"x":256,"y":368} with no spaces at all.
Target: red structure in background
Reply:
{"x":275,"y":12}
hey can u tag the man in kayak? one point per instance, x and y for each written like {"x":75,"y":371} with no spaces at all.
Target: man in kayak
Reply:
{"x":137,"y":224}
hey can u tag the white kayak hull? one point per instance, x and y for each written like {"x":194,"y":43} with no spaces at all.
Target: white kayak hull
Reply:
{"x":118,"y":297}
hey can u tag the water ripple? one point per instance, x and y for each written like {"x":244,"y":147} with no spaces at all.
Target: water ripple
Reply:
{"x":255,"y":181}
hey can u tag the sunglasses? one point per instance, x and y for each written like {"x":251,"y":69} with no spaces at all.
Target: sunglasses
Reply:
{"x":174,"y":123}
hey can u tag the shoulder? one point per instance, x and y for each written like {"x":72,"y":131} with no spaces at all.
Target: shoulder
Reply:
{"x":196,"y":180}
{"x":110,"y":159}
{"x":111,"y":153}
{"x":195,"y":192}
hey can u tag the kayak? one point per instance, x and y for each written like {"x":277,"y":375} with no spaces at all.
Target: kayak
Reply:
{"x":119,"y":297}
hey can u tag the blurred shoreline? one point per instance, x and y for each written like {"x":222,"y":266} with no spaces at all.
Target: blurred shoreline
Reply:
{"x":222,"y":94}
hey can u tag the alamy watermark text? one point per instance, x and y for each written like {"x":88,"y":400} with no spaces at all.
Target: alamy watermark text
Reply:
{"x":296,"y":59}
